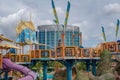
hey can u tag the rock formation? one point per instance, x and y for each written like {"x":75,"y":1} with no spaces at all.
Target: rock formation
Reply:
{"x":62,"y":75}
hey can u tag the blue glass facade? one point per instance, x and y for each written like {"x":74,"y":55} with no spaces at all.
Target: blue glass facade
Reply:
{"x":50,"y":35}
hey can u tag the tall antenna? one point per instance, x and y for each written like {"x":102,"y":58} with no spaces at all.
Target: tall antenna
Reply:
{"x":67,"y":15}
{"x":55,"y":13}
{"x":103,"y":33}
{"x":117,"y":27}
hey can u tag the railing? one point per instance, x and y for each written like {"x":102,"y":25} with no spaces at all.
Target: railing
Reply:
{"x":19,"y":57}
{"x":67,"y":51}
{"x":42,"y":54}
{"x":111,"y":46}
{"x":25,"y":58}
{"x":86,"y":52}
{"x":32,"y":53}
{"x":72,"y":51}
{"x":59,"y":52}
{"x":14,"y":57}
{"x":118,"y":46}
{"x":96,"y":52}
{"x":53,"y":54}
{"x":45,"y":54}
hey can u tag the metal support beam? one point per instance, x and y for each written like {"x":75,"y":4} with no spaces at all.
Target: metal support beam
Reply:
{"x":94,"y":67}
{"x":45,"y":65}
{"x":87,"y":65}
{"x":33,"y":62}
{"x":6,"y":75}
{"x":69,"y":72}
{"x":69,"y":64}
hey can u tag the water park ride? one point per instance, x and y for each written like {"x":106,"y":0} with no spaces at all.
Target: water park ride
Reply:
{"x":66,"y":55}
{"x":61,"y":53}
{"x":6,"y":64}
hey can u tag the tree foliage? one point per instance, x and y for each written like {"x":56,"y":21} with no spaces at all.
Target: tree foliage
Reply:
{"x":105,"y":63}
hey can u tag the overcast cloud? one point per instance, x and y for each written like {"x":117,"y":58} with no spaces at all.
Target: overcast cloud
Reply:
{"x":89,"y":15}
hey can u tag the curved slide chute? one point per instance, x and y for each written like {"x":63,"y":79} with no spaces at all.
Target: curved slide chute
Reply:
{"x":9,"y":65}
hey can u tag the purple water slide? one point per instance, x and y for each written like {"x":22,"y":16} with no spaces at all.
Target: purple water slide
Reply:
{"x":9,"y":65}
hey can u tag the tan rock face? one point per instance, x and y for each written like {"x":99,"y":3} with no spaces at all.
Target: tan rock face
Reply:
{"x":62,"y":74}
{"x":118,"y":57}
{"x":107,"y":76}
{"x":117,"y":71}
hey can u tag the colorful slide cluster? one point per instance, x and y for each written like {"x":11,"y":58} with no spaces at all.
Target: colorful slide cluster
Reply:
{"x":9,"y":65}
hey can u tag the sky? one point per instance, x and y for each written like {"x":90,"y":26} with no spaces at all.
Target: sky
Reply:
{"x":89,"y":15}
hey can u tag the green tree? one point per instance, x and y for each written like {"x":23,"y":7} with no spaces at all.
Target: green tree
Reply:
{"x":80,"y":66}
{"x":38,"y":68}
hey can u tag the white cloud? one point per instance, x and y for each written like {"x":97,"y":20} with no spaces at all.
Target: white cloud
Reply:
{"x":91,"y":34}
{"x":12,"y":17}
{"x":112,"y":8}
{"x":9,"y":7}
{"x":59,"y":10}
{"x":82,"y":25}
{"x":8,"y":23}
{"x":46,"y":22}
{"x":83,"y":28}
{"x":112,"y":25}
{"x":86,"y":15}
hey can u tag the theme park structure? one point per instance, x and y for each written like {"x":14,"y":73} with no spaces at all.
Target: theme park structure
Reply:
{"x":67,"y":55}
